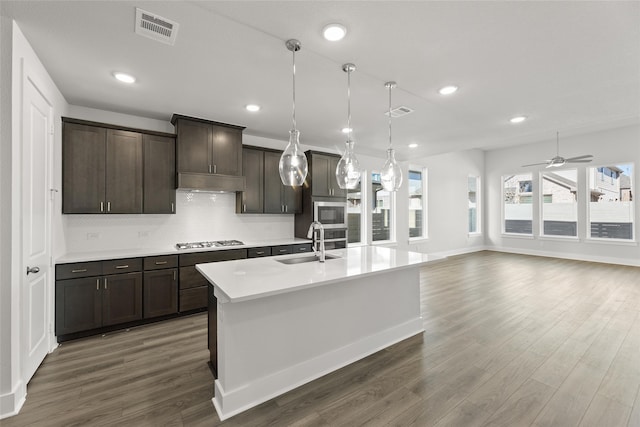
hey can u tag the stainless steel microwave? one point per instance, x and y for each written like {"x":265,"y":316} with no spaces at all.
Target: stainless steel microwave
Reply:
{"x":330,"y":214}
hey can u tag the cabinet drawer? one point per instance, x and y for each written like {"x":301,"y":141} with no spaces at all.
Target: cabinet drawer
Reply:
{"x":117,"y":266}
{"x":191,"y":299}
{"x":78,"y":269}
{"x":281,"y":250}
{"x":305,"y":247}
{"x":191,"y":278}
{"x":259,"y":252}
{"x":213,"y":256}
{"x":160,"y":262}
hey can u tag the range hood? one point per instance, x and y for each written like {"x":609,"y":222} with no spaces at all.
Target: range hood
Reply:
{"x":211,"y":183}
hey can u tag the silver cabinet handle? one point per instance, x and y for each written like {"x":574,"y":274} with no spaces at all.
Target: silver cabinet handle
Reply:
{"x":260,"y":253}
{"x":214,"y":169}
{"x":105,"y":284}
{"x":33,"y":270}
{"x":81,"y":270}
{"x":101,"y":206}
{"x":173,"y":209}
{"x":97,"y":284}
{"x":160,"y":263}
{"x":108,"y":206}
{"x":174,"y":275}
{"x":209,"y":168}
{"x":122,"y":266}
{"x":244,"y":207}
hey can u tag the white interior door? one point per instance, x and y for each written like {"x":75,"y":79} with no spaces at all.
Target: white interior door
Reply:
{"x":36,"y":142}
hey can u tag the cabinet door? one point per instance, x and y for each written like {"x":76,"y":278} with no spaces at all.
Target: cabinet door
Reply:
{"x":227,"y":151}
{"x":122,"y":298}
{"x":160,"y":293}
{"x":78,"y":305}
{"x":333,"y":182}
{"x":159,"y":174}
{"x":320,"y":166}
{"x":292,"y":199}
{"x":272,"y":183}
{"x":83,"y":168}
{"x":194,"y":140}
{"x":124,"y":172}
{"x":253,"y":168}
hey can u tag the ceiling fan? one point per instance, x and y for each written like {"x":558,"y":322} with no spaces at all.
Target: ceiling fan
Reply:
{"x":559,"y":161}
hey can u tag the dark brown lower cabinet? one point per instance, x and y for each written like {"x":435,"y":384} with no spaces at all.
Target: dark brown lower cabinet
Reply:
{"x":160,"y":293}
{"x":94,"y":302}
{"x":78,"y":305}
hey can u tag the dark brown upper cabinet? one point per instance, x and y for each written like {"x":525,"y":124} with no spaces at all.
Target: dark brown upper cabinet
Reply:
{"x":209,"y":154}
{"x":322,"y":172}
{"x":108,"y":169}
{"x":251,"y":200}
{"x":265,"y":192}
{"x":159,"y":174}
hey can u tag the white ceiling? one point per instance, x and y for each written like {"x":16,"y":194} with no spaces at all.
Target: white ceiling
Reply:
{"x":569,"y":66}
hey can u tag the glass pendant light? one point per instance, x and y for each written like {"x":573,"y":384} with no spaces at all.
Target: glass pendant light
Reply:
{"x":348,"y":169}
{"x":391,"y":174}
{"x":293,"y":163}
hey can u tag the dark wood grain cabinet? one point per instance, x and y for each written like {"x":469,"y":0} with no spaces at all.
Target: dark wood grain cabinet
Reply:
{"x":160,"y":286}
{"x":159,"y":187}
{"x":86,"y":303}
{"x":265,"y":192}
{"x":113,"y":170}
{"x":205,"y":149}
{"x":322,"y":171}
{"x":252,"y":200}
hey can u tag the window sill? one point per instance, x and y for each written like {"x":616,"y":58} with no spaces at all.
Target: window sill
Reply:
{"x":356,"y":244}
{"x":477,"y":234}
{"x":518,"y":236}
{"x":617,"y":242}
{"x":560,"y":238}
{"x":390,"y":243}
{"x":417,"y":240}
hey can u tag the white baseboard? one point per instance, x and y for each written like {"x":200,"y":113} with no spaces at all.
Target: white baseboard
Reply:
{"x":564,"y":255}
{"x":461,"y":251}
{"x":11,"y":403}
{"x":227,"y":403}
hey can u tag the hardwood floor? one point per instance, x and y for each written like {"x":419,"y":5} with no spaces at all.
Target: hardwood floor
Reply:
{"x":510,"y":340}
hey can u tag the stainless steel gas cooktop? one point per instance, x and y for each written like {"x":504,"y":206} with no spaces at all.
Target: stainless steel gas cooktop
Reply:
{"x":210,"y":244}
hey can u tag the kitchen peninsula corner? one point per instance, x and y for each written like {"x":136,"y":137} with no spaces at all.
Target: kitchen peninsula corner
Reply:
{"x":278,"y":326}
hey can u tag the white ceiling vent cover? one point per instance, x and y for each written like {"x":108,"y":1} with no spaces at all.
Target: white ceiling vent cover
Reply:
{"x":399,"y":112}
{"x":156,"y":27}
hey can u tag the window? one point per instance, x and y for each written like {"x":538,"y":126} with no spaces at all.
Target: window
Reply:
{"x":611,"y":202}
{"x":355,"y":217}
{"x":517,"y":192}
{"x":559,"y":203}
{"x":382,"y":211}
{"x":417,"y":219}
{"x":473,"y":196}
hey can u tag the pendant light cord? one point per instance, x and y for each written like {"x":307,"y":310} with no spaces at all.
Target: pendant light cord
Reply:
{"x":349,"y":104}
{"x":390,"y":87}
{"x":294,"y":89}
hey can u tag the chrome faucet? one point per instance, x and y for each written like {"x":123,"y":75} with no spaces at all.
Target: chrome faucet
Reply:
{"x":311,"y":234}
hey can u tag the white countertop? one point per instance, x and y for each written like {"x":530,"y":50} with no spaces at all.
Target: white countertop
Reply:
{"x":166,"y":250}
{"x":248,"y":279}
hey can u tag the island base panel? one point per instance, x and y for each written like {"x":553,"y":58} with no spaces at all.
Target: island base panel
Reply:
{"x":271,"y":345}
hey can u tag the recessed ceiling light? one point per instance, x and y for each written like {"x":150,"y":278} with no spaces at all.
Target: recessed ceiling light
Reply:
{"x":252,"y":107}
{"x":124,"y":78}
{"x":334,"y":32}
{"x":347,"y":130}
{"x":518,"y":119}
{"x":448,"y":90}
{"x":414,"y":145}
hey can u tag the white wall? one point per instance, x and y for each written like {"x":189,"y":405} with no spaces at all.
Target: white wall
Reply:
{"x":448,"y":204}
{"x":614,"y":146}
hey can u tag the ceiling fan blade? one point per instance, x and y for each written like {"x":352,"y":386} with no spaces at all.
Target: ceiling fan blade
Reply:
{"x":579,"y":157}
{"x":579,"y":161}
{"x":535,"y":164}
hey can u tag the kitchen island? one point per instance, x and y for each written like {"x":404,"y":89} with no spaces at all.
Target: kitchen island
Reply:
{"x":277,"y":326}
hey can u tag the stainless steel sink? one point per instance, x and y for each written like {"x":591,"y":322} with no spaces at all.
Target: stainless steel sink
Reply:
{"x":306,"y":258}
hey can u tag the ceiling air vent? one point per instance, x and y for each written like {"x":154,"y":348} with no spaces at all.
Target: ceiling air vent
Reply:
{"x":156,"y":27}
{"x":399,"y":112}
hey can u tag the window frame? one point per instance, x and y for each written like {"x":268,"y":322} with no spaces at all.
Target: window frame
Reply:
{"x":541,"y":196}
{"x":392,"y":214}
{"x":503,"y":206}
{"x":364,"y":202}
{"x":478,"y":179}
{"x":424,"y":229}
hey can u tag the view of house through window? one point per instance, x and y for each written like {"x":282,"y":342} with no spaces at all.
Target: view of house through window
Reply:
{"x":415,"y":204}
{"x":354,"y":214}
{"x":381,"y":218}
{"x":559,"y":203}
{"x":517,"y":198}
{"x":473,"y":191}
{"x":611,"y":202}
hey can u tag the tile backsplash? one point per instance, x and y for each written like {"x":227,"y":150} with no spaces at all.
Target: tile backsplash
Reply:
{"x":199,"y":216}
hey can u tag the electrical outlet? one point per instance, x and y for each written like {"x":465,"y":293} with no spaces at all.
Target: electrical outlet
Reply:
{"x":142,"y":234}
{"x":93,"y":236}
